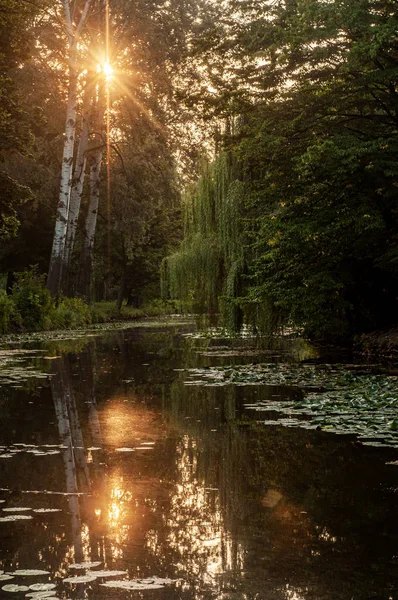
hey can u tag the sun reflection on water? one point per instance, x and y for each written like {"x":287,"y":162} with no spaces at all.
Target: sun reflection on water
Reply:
{"x":195,"y":523}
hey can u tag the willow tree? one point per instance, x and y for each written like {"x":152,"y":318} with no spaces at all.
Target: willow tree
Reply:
{"x":206,"y":274}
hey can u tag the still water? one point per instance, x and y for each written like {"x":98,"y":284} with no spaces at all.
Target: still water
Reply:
{"x":169,"y":491}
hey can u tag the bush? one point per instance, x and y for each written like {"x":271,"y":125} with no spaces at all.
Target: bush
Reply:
{"x":31,"y":298}
{"x":69,"y":314}
{"x":7,"y":311}
{"x":103,"y":312}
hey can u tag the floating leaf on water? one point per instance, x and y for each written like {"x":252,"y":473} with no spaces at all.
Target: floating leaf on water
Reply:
{"x":81,"y":578}
{"x":30,"y":572}
{"x":47,"y":510}
{"x":108,"y":573}
{"x":124,"y":449}
{"x":6,"y":577}
{"x":9,"y":518}
{"x":85,"y":565}
{"x":15,"y":588}
{"x":93,"y":448}
{"x":150,"y":583}
{"x":42,"y":587}
{"x":144,"y":448}
{"x":16,"y":509}
{"x":40,"y":594}
{"x":6,"y":455}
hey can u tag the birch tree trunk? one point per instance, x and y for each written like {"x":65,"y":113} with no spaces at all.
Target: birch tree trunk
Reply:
{"x":61,"y":221}
{"x":77,"y":187}
{"x":86,"y":261}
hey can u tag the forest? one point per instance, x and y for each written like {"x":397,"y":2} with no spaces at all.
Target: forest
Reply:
{"x":236,"y":159}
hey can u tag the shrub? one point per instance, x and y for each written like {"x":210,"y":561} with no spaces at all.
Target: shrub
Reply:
{"x":69,"y":314}
{"x":7,"y":311}
{"x":31,"y":298}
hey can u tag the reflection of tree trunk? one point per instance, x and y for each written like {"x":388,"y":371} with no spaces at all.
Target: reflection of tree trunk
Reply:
{"x":64,"y":428}
{"x":87,"y":378}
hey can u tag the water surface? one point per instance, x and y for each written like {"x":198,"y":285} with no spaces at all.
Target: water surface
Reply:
{"x":110,"y":459}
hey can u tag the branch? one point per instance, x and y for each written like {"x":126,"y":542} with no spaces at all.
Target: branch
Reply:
{"x":83,"y":19}
{"x":68,"y":21}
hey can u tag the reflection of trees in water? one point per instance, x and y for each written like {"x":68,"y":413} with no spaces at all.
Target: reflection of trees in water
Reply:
{"x":225,"y":506}
{"x":69,"y":432}
{"x":77,"y":475}
{"x":292,"y":502}
{"x":208,"y":497}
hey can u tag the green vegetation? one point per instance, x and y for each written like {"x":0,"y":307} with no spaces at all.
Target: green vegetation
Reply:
{"x":31,"y":308}
{"x":313,"y":141}
{"x":335,"y":398}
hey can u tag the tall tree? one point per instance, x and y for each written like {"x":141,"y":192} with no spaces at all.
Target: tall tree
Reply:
{"x":73,"y":33}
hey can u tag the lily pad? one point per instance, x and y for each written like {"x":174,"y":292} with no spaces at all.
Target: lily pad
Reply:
{"x":150,"y":583}
{"x":105,"y":573}
{"x":30,"y":572}
{"x":42,"y":587}
{"x":15,"y":588}
{"x":10,"y":518}
{"x":81,"y":578}
{"x":85,"y":565}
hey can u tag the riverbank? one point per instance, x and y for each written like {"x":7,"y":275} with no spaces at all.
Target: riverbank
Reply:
{"x":378,"y":345}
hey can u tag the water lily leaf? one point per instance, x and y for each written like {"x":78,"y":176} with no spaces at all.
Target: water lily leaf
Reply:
{"x":42,"y":587}
{"x":30,"y":572}
{"x":15,"y":588}
{"x":150,"y":583}
{"x":105,"y":573}
{"x":4,"y":577}
{"x":85,"y":565}
{"x":10,"y":518}
{"x":81,"y":578}
{"x":49,"y":594}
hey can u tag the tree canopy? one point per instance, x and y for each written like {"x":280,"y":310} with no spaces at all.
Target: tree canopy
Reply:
{"x":287,"y":108}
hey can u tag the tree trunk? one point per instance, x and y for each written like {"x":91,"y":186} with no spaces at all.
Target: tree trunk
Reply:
{"x":61,"y":220}
{"x":86,"y":262}
{"x":73,"y":32}
{"x":77,"y":187}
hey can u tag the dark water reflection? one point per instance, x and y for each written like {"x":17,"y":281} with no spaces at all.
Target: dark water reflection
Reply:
{"x":159,"y":479}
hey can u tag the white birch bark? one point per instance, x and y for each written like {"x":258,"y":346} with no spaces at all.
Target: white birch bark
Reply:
{"x":61,"y":220}
{"x":86,"y":264}
{"x":77,"y":183}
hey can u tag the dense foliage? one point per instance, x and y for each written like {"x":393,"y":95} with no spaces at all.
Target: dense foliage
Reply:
{"x":318,"y":158}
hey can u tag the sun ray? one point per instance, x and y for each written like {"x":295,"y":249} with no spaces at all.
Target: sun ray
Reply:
{"x":140,"y":105}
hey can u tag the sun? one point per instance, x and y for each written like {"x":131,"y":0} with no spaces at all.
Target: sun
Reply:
{"x":106,"y":69}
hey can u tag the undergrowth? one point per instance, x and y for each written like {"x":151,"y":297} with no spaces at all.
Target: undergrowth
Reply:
{"x":30,"y":307}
